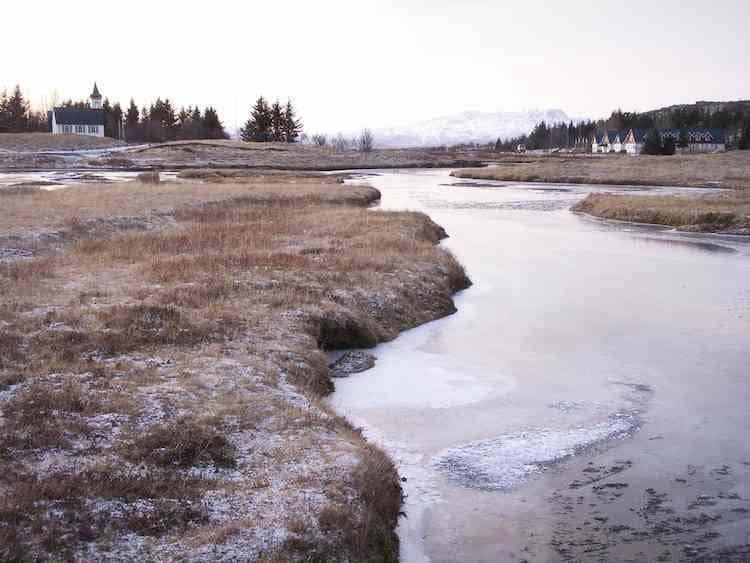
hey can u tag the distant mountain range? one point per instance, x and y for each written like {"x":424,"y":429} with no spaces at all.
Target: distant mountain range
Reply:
{"x":466,"y":127}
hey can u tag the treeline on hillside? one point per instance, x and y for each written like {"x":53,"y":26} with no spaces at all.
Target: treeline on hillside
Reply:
{"x":735,"y":120}
{"x":16,"y":115}
{"x":546,"y":136}
{"x":271,"y":123}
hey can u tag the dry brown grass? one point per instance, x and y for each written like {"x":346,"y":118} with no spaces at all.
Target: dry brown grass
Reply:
{"x":185,"y":442}
{"x":727,"y":170}
{"x":240,"y":292}
{"x":46,"y":141}
{"x":58,"y":208}
{"x":49,"y":513}
{"x":727,"y":213}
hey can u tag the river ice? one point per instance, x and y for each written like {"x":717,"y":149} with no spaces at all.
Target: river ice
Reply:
{"x":585,"y":351}
{"x":507,"y":461}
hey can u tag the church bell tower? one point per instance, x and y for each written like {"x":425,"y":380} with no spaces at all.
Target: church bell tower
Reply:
{"x":95,"y":100}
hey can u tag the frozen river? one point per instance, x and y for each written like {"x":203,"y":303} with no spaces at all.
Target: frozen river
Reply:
{"x":590,"y":400}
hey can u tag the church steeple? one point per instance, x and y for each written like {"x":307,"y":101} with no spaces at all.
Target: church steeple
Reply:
{"x":95,"y":100}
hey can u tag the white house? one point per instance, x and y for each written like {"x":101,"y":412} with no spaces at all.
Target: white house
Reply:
{"x":610,"y":141}
{"x":700,"y":140}
{"x":618,"y":144}
{"x":633,"y":141}
{"x":596,"y":145}
{"x":79,"y":121}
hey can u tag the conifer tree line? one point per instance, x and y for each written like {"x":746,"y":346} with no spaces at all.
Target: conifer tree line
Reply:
{"x":16,"y":115}
{"x":272,"y":122}
{"x":735,"y":120}
{"x":157,"y":122}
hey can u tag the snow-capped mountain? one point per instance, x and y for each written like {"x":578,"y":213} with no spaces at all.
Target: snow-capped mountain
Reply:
{"x":466,"y":127}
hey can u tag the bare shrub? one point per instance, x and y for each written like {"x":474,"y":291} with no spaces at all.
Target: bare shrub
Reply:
{"x":366,"y":141}
{"x":184,"y":442}
{"x":11,"y":351}
{"x":149,"y":178}
{"x":41,"y":400}
{"x":339,"y":143}
{"x":377,"y":483}
{"x":39,"y":416}
{"x":159,"y":501}
{"x":130,"y":327}
{"x":28,"y":270}
{"x":320,"y":140}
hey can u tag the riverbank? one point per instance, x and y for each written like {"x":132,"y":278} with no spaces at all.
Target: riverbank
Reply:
{"x":725,"y":170}
{"x":34,"y":142}
{"x":183,"y":155}
{"x":162,"y":360}
{"x":727,"y":213}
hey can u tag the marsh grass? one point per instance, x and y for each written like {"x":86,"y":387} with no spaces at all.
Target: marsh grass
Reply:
{"x":184,"y":442}
{"x":729,"y":170}
{"x":247,"y":286}
{"x":723,"y":212}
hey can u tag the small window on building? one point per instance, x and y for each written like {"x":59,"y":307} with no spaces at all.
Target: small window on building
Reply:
{"x":80,"y":128}
{"x":93,"y":129}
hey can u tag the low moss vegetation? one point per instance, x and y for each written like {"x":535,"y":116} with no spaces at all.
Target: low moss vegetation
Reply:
{"x":160,"y":378}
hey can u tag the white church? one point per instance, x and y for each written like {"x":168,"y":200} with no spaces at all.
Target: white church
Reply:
{"x":80,"y":121}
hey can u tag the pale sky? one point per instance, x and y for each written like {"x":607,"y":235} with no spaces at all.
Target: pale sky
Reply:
{"x":349,"y":64}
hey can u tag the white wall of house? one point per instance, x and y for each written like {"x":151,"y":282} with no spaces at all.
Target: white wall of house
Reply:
{"x":88,"y":130}
{"x":694,"y":148}
{"x":633,"y":148}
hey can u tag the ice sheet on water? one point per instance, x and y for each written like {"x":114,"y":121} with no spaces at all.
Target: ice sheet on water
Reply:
{"x":507,"y":461}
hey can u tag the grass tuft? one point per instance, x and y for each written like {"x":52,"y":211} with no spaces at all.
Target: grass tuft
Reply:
{"x":185,"y":442}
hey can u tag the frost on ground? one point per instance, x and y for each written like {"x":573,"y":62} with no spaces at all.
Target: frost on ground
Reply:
{"x":160,"y":388}
{"x":508,"y":461}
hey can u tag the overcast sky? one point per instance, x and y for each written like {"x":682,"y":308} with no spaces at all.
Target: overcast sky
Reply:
{"x":348,"y":64}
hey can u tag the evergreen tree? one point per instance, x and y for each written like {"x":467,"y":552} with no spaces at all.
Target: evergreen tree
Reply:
{"x":292,"y":125}
{"x":258,"y":126}
{"x":111,"y":127}
{"x":669,"y":147}
{"x":653,"y":142}
{"x":277,"y":122}
{"x":132,"y":115}
{"x":169,"y":120}
{"x":117,"y":115}
{"x":4,"y":115}
{"x":684,"y":139}
{"x":17,"y":110}
{"x":744,"y":142}
{"x":212,"y":126}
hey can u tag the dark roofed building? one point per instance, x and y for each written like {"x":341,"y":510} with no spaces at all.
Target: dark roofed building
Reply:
{"x":79,"y":121}
{"x":700,"y":140}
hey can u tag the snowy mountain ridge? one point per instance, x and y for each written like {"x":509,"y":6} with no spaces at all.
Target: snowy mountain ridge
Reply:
{"x":465,"y":127}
